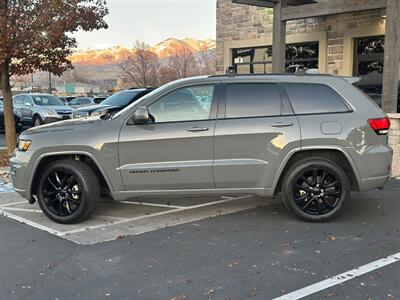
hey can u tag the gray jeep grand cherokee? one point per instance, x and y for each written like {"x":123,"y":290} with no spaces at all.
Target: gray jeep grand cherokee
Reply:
{"x":313,"y":138}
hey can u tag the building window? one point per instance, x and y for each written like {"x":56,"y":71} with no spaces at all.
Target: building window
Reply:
{"x":368,"y":64}
{"x":259,"y":59}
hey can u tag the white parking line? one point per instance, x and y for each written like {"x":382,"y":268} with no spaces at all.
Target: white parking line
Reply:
{"x":227,"y":199}
{"x":13,"y":203}
{"x":338,"y":279}
{"x":21,"y":209}
{"x":151,"y":204}
{"x":30,"y":223}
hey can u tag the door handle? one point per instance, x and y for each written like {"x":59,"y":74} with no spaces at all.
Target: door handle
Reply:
{"x":282,"y":124}
{"x":197,"y":129}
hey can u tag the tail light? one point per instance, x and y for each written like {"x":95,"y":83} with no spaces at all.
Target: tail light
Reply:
{"x":380,"y":126}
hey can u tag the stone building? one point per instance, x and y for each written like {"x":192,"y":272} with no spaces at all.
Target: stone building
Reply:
{"x":346,"y":44}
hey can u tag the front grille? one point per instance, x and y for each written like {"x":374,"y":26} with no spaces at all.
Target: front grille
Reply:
{"x":64,"y":113}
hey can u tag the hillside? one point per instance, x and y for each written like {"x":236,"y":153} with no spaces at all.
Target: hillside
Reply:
{"x":113,"y":56}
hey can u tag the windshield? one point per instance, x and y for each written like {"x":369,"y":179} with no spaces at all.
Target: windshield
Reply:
{"x":121,"y":98}
{"x":46,"y":100}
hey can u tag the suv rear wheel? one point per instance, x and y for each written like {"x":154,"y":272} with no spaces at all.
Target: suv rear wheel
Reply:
{"x":315,"y":189}
{"x":68,"y":191}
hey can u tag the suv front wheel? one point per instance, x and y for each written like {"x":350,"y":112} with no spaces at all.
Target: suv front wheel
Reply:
{"x":37,"y":121}
{"x":68,"y":191}
{"x":315,"y":189}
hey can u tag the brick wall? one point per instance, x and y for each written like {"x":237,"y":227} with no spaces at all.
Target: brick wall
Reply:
{"x":336,"y":27}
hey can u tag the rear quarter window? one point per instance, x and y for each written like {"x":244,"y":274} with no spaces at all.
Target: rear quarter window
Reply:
{"x":310,"y":98}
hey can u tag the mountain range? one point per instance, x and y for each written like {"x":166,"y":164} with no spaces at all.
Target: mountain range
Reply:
{"x":117,"y":54}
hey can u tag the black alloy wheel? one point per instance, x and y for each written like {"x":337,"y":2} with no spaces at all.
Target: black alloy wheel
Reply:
{"x":62,"y":193}
{"x":68,"y":191}
{"x":315,"y":189}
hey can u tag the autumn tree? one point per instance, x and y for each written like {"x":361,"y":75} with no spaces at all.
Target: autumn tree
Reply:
{"x":141,"y":67}
{"x":77,"y":74}
{"x":35,"y":36}
{"x":181,"y":63}
{"x":207,"y":63}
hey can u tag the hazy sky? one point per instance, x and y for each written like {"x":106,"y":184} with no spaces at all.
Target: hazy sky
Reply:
{"x":152,"y":21}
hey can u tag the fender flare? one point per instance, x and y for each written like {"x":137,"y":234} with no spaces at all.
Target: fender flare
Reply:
{"x":60,"y":153}
{"x":294,"y":151}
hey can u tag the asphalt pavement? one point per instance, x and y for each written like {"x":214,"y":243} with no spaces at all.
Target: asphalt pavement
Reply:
{"x":261,"y":253}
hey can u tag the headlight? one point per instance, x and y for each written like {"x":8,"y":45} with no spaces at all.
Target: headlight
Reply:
{"x":24,"y":145}
{"x":80,"y":115}
{"x":98,"y":113}
{"x":49,"y":113}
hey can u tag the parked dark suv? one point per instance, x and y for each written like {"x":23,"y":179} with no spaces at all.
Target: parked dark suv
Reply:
{"x":313,"y":138}
{"x":113,"y":103}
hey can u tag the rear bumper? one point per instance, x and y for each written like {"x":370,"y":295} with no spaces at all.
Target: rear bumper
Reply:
{"x":374,"y":183}
{"x":373,"y":165}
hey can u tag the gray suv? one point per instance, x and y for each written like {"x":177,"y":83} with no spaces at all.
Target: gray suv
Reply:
{"x":38,"y":109}
{"x":312,"y":138}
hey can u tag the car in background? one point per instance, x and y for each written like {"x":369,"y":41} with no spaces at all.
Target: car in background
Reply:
{"x":375,"y":93}
{"x":64,"y":100}
{"x":81,"y":102}
{"x":112,"y":104}
{"x":17,"y":118}
{"x":297,"y":69}
{"x":38,"y":109}
{"x":99,"y":99}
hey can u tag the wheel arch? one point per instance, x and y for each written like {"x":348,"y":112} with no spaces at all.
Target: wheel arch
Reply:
{"x":86,"y":157}
{"x":336,"y":154}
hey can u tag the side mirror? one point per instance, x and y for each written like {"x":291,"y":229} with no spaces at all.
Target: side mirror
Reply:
{"x":27,"y":104}
{"x":141,"y":116}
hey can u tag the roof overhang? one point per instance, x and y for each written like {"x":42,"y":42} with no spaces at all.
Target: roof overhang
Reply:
{"x":299,"y":9}
{"x":271,"y":3}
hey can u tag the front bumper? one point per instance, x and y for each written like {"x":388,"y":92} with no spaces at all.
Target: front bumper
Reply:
{"x":19,"y":173}
{"x":52,"y":119}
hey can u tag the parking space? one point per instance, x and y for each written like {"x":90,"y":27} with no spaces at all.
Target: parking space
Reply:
{"x":114,"y":220}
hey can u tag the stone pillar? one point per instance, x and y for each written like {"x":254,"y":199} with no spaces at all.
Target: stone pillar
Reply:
{"x":278,"y":39}
{"x":394,"y":142}
{"x":390,"y":83}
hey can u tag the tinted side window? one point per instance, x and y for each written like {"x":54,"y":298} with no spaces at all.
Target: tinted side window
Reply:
{"x":26,"y":100}
{"x":184,"y":104}
{"x":18,"y":99}
{"x":308,"y":98}
{"x":244,"y":100}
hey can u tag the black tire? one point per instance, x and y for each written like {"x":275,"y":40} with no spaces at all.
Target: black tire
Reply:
{"x":37,"y":121}
{"x":18,"y":125}
{"x":74,"y":203}
{"x":320,"y":199}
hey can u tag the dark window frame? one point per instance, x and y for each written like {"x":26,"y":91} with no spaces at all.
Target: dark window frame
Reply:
{"x":371,"y":57}
{"x":250,"y":51}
